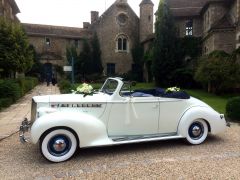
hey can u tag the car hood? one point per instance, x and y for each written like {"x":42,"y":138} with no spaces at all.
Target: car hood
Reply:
{"x":71,"y":98}
{"x":92,"y":104}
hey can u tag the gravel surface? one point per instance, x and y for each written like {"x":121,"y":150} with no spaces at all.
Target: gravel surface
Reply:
{"x":217,"y":158}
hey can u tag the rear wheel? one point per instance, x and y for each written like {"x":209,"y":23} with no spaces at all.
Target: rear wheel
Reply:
{"x":58,"y":145}
{"x":197,"y":132}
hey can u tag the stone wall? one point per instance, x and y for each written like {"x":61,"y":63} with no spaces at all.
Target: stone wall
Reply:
{"x":146,"y":21}
{"x":213,"y":13}
{"x":224,"y":40}
{"x":219,"y":40}
{"x":56,"y":52}
{"x":9,"y":9}
{"x":109,"y":28}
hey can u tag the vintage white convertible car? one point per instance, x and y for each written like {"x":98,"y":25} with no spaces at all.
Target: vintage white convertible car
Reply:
{"x":116,"y":115}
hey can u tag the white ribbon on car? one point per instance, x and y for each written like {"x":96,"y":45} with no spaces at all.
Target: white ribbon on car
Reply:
{"x":131,"y":110}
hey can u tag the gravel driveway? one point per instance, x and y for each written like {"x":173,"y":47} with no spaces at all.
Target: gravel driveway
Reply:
{"x":217,"y":158}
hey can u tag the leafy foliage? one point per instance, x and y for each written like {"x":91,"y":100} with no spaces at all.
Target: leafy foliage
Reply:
{"x":65,"y":86}
{"x":137,"y":55}
{"x":166,"y":46}
{"x":12,"y":89}
{"x":37,"y":68}
{"x":219,"y":71}
{"x":96,"y":55}
{"x":232,"y":108}
{"x":15,"y":53}
{"x":88,"y":62}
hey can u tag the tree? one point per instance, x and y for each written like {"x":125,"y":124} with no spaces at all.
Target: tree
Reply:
{"x":37,"y":68}
{"x":218,"y":71}
{"x":96,"y":55}
{"x":137,"y":56}
{"x":165,"y":47}
{"x":15,"y":54}
{"x":85,"y":58}
{"x":72,"y":54}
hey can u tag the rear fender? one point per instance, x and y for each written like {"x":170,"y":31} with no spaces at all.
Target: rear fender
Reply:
{"x":216,"y":123}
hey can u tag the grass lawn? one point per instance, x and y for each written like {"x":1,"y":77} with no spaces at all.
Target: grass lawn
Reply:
{"x":216,"y":102}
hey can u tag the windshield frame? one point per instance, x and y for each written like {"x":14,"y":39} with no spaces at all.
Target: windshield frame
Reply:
{"x":109,"y":82}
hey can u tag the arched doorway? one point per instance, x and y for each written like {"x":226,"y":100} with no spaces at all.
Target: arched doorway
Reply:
{"x":48,"y":72}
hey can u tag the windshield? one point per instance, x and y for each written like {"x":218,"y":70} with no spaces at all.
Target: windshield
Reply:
{"x":109,"y":86}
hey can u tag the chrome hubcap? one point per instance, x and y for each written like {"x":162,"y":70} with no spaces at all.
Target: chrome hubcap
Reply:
{"x":59,"y":145}
{"x":196,"y":131}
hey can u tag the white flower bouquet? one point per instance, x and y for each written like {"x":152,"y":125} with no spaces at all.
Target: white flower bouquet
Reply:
{"x":84,"y":89}
{"x":172,"y":89}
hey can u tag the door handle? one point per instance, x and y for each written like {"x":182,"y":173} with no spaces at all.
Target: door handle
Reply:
{"x":155,"y":106}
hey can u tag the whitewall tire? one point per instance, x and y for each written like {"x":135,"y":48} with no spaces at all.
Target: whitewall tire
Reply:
{"x":197,"y":132}
{"x":58,"y":145}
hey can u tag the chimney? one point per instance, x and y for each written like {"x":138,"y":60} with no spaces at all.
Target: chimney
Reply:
{"x":94,"y":16}
{"x":86,"y":25}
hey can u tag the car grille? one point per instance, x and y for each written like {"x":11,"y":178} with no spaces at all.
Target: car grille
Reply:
{"x":33,"y":111}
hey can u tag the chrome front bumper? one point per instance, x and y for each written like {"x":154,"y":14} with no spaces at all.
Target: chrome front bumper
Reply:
{"x":24,"y":128}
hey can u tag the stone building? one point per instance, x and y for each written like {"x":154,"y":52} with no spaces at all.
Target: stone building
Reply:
{"x":118,"y":30}
{"x":50,"y":43}
{"x":215,"y":21}
{"x":9,"y":9}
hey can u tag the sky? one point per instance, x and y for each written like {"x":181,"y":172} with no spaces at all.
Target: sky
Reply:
{"x":66,"y":12}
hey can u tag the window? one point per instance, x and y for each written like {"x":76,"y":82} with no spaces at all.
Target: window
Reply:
{"x":47,"y":42}
{"x":110,"y":69}
{"x":189,"y":28}
{"x":122,"y":44}
{"x":149,"y":18}
{"x":77,"y":43}
{"x":122,"y":19}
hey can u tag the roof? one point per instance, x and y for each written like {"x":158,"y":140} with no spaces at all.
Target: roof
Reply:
{"x":111,"y":8}
{"x":183,"y":8}
{"x":57,"y":31}
{"x":224,"y":23}
{"x":146,"y":2}
{"x":14,"y":6}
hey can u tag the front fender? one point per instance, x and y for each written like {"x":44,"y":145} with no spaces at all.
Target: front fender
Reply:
{"x":90,"y":130}
{"x":216,"y":122}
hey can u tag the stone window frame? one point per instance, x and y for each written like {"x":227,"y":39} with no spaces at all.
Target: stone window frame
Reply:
{"x":189,"y":27}
{"x":77,"y":43}
{"x":122,"y":43}
{"x":47,"y":42}
{"x":124,"y":14}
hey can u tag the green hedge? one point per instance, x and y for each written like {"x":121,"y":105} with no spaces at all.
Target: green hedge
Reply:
{"x":65,"y":86}
{"x":12,"y":89}
{"x":233,"y":108}
{"x":5,"y":102}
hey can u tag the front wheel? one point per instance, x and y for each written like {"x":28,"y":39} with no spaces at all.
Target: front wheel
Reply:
{"x":58,"y":145}
{"x":197,"y":132}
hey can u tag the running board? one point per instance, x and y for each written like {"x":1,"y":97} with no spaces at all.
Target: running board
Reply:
{"x":143,"y":137}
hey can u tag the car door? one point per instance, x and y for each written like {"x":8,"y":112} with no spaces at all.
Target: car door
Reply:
{"x":134,"y":116}
{"x":171,"y":111}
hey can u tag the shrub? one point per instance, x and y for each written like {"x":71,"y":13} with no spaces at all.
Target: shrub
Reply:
{"x":65,"y":86}
{"x":218,"y":71}
{"x":10,"y":89}
{"x":232,"y":108}
{"x":27,"y":84}
{"x":5,"y":102}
